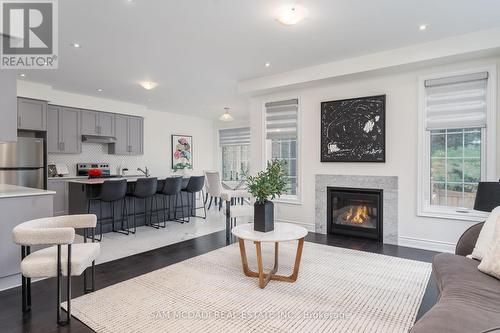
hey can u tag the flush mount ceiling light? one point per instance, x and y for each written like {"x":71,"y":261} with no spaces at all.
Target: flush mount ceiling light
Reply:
{"x":267,"y":64}
{"x":226,"y":116}
{"x":291,"y":14}
{"x":76,"y":45}
{"x":99,"y":90}
{"x":422,"y":27}
{"x":148,"y":85}
{"x":22,"y":75}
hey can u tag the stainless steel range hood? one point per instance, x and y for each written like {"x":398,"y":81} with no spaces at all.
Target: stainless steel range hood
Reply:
{"x":98,"y":139}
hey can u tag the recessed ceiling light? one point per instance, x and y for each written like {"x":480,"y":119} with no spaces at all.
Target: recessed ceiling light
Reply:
{"x":226,"y":116}
{"x":76,"y":45}
{"x":422,"y":27}
{"x":22,"y":75}
{"x":148,"y":85}
{"x":291,"y":14}
{"x":99,"y":90}
{"x":267,"y":64}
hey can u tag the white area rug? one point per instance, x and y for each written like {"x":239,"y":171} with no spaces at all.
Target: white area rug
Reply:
{"x":338,"y":290}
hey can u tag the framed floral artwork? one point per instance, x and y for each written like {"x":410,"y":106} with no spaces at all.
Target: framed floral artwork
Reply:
{"x":182,"y":152}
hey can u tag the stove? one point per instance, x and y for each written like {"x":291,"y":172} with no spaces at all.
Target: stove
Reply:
{"x":94,"y":170}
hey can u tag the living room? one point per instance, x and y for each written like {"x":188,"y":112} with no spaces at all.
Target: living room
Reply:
{"x":244,"y":166}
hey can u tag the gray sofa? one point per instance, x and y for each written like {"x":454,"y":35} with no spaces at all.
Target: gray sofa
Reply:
{"x":469,"y":300}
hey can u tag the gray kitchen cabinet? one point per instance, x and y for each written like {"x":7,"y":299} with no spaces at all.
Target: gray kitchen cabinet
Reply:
{"x":106,"y":124}
{"x":31,"y":114}
{"x":97,"y":123}
{"x":129,"y":136}
{"x":61,"y":196}
{"x":53,"y":143}
{"x":136,"y":136}
{"x":63,"y":130}
{"x":8,"y":106}
{"x":120,"y":147}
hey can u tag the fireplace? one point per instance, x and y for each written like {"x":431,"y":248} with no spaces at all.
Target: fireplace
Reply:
{"x":355,"y":212}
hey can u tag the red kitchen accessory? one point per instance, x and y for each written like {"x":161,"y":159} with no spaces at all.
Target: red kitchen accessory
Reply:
{"x":95,"y":172}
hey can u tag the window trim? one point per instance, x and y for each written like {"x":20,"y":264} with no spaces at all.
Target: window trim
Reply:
{"x":287,"y":199}
{"x":488,"y":152}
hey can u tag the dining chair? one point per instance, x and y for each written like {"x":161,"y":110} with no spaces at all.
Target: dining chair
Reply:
{"x":63,"y":257}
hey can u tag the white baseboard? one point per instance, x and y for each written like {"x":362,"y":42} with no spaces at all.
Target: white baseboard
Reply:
{"x":426,"y":244}
{"x":308,"y":226}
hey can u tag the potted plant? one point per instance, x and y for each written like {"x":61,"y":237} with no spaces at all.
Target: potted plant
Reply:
{"x":265,"y":186}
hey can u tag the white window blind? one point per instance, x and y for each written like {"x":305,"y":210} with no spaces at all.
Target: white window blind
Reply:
{"x":281,"y":119}
{"x":456,"y":102}
{"x":234,"y":136}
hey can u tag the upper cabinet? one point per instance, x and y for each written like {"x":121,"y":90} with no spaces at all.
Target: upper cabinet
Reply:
{"x":129,"y":136}
{"x":63,"y":130}
{"x":8,"y":106}
{"x":31,"y":114}
{"x":97,"y":123}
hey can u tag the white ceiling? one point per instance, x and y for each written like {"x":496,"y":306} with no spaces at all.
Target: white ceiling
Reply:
{"x":197,"y":50}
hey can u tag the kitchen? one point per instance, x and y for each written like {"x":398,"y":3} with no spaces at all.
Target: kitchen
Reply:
{"x":120,"y":138}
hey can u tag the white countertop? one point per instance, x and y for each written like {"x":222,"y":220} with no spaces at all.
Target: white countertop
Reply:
{"x":12,"y":191}
{"x":97,"y":181}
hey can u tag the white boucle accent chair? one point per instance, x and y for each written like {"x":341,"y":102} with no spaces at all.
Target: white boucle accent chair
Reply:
{"x":234,"y":211}
{"x":55,"y":260}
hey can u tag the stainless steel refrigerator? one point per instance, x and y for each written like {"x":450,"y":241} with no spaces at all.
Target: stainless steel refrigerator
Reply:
{"x":22,"y":163}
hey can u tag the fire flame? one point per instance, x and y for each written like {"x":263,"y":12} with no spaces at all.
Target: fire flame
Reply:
{"x":359,"y":216}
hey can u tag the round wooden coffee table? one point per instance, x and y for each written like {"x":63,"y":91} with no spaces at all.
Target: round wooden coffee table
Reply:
{"x":283,"y":232}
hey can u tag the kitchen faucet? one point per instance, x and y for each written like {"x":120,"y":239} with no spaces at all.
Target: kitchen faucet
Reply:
{"x":145,"y":172}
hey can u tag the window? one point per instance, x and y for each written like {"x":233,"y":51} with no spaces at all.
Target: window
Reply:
{"x":457,"y":143}
{"x":235,"y":146}
{"x":281,"y":140}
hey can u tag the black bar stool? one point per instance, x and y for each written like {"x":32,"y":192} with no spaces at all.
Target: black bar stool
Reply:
{"x":194,"y":186}
{"x":171,"y":187}
{"x":112,"y":191}
{"x":145,"y":188}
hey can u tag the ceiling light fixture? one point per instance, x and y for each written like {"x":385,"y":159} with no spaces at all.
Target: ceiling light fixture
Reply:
{"x":422,"y":27}
{"x":99,"y":90}
{"x":291,"y":14}
{"x":22,"y":75}
{"x":76,"y":45}
{"x":148,"y":85}
{"x":226,"y":116}
{"x":267,"y":64}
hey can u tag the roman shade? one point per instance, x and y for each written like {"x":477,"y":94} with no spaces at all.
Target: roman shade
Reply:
{"x":281,"y":119}
{"x":234,"y":136}
{"x":456,"y":101}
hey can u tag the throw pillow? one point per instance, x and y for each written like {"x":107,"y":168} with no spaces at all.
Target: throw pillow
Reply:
{"x":486,"y":235}
{"x":491,"y":260}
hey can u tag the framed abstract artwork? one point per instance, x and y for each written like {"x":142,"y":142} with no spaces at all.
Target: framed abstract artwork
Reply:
{"x":353,"y":130}
{"x":182,"y":152}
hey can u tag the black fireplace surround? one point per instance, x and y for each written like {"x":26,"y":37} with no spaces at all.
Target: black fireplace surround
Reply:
{"x":355,"y":212}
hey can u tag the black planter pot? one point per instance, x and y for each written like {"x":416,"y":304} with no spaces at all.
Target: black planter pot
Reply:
{"x":263,"y":216}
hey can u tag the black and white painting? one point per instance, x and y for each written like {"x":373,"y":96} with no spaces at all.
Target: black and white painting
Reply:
{"x":353,"y":130}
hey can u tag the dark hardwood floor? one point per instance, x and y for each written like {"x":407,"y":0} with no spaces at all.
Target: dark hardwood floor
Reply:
{"x":42,"y":317}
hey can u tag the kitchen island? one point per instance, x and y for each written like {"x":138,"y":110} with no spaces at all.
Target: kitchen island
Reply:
{"x":18,"y":204}
{"x":81,"y":191}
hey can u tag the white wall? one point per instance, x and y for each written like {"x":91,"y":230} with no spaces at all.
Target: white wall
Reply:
{"x":401,"y":148}
{"x":158,"y":126}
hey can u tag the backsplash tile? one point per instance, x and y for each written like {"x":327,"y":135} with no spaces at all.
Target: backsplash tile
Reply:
{"x":96,"y":152}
